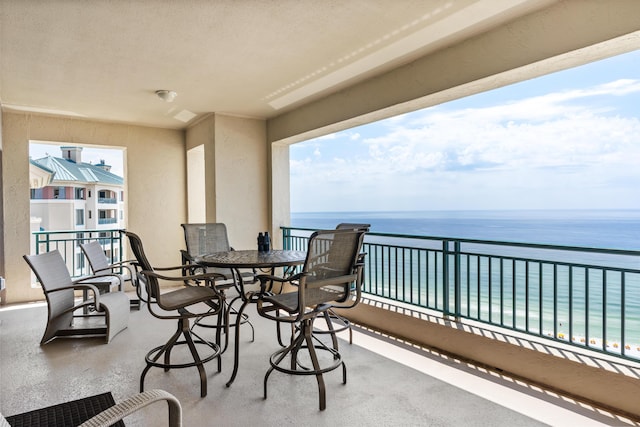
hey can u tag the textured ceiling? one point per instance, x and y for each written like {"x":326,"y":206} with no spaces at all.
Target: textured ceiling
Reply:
{"x":257,"y":58}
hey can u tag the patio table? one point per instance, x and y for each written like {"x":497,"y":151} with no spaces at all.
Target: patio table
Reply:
{"x":248,"y":259}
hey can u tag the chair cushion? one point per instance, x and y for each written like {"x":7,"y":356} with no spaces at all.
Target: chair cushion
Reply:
{"x":314,"y":297}
{"x":186,"y":296}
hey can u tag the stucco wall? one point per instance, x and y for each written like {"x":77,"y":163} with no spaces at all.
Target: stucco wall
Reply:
{"x":236,"y":174}
{"x":242,"y":178}
{"x":155,"y":178}
{"x":607,"y":388}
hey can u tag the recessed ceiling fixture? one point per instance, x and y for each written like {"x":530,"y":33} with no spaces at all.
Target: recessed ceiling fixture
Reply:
{"x":166,"y":95}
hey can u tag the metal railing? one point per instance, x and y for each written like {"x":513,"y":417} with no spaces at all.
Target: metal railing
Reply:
{"x":68,"y":243}
{"x":586,"y":297}
{"x":107,"y":220}
{"x":111,"y":200}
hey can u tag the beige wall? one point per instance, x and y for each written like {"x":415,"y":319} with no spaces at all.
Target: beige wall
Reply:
{"x":155,"y":178}
{"x":280,"y":191}
{"x":1,"y":201}
{"x":236,"y":175}
{"x":555,"y":369}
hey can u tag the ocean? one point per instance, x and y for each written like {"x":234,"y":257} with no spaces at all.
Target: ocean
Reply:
{"x":607,"y":229}
{"x":602,"y":229}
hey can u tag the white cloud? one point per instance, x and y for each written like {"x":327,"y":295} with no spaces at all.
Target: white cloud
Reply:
{"x":563,"y":149}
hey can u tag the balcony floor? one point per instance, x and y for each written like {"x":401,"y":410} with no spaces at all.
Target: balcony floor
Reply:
{"x":389,"y":383}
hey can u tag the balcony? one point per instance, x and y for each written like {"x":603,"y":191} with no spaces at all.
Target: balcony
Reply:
{"x":398,"y":324}
{"x":390,"y":382}
{"x":109,"y":200}
{"x":102,"y":221}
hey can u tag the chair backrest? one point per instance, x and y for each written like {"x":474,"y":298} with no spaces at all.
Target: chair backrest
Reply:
{"x":330,"y":268}
{"x":353,"y":226}
{"x":153,"y":289}
{"x":95,"y":255}
{"x":51,"y":271}
{"x":206,"y":238}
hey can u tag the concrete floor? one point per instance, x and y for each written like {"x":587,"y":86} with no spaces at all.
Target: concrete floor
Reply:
{"x":389,"y":383}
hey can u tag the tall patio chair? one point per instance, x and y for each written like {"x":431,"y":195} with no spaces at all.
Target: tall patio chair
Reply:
{"x":95,"y":411}
{"x":58,"y":286}
{"x":329,"y":273}
{"x":199,"y":298}
{"x":206,"y":238}
{"x":100,"y":264}
{"x":331,"y":317}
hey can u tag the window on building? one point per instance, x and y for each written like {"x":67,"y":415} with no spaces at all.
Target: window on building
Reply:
{"x":122,"y":196}
{"x":36,"y":193}
{"x":56,"y":193}
{"x":79,"y":193}
{"x":79,"y":216}
{"x":89,"y":212}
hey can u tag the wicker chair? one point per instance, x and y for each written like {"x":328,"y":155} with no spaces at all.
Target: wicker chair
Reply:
{"x":328,"y":276}
{"x":95,"y":411}
{"x":58,"y":286}
{"x":100,"y":264}
{"x":195,"y":301}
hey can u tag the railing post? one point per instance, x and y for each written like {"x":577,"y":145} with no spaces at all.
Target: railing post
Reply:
{"x":457,"y":279}
{"x":120,"y":246}
{"x":286,"y":238}
{"x":445,"y":278}
{"x":37,"y":236}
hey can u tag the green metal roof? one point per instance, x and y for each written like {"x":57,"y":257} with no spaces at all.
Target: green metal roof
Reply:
{"x":67,"y":170}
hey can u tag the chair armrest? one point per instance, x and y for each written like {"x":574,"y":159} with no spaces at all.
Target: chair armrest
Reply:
{"x":121,"y":263}
{"x":264,"y":278}
{"x":177,"y":267}
{"x":185,"y":256}
{"x":194,"y":277}
{"x":80,"y":286}
{"x":93,"y":277}
{"x":134,"y":403}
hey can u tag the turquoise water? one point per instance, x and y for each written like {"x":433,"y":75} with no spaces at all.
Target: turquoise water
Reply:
{"x":605,"y":229}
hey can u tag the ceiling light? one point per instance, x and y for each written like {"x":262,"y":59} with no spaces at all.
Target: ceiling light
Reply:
{"x":166,"y":95}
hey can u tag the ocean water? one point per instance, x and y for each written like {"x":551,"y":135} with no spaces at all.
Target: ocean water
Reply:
{"x":602,"y":229}
{"x":608,"y":229}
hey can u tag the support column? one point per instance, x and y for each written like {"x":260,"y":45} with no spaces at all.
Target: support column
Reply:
{"x":236,"y":175}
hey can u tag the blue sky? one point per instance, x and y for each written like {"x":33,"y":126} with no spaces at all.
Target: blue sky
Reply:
{"x":570,"y":140}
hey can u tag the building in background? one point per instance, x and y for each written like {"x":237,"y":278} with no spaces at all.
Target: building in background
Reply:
{"x":69,"y":195}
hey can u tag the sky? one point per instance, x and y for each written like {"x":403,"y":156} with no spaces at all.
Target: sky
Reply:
{"x":569,"y":140}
